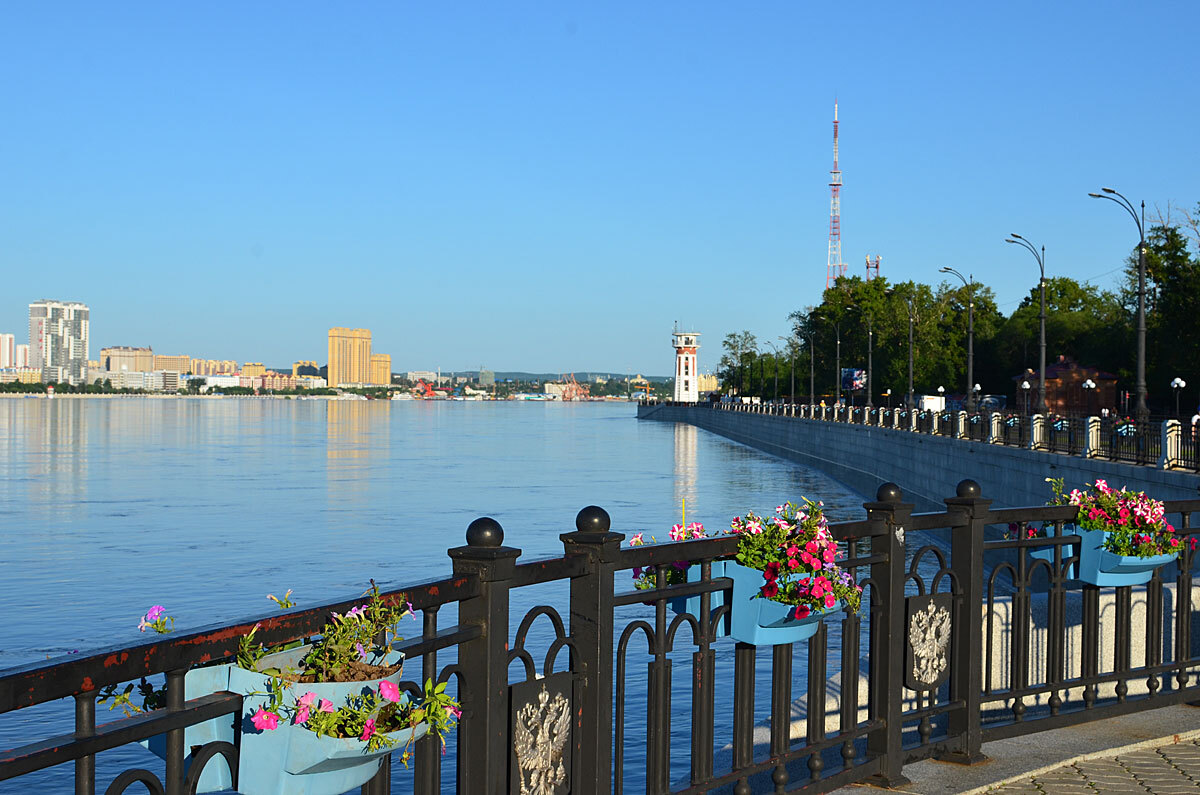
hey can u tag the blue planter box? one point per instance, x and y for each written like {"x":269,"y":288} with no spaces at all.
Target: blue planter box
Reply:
{"x":1098,"y":566}
{"x":691,"y":604}
{"x":290,"y":759}
{"x":762,"y":622}
{"x":1068,"y":551}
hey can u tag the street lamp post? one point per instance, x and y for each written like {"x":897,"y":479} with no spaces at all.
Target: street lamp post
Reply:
{"x":1041,"y":261}
{"x":1025,"y":389}
{"x":1140,"y":410}
{"x":1088,"y":390}
{"x":975,"y":390}
{"x":775,"y":367}
{"x":970,"y":333}
{"x":910,"y":400}
{"x":870,"y":348}
{"x":812,"y":371}
{"x":791,"y":343}
{"x":1178,"y":384}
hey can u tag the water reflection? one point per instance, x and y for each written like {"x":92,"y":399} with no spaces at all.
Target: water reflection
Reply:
{"x":686,"y":469}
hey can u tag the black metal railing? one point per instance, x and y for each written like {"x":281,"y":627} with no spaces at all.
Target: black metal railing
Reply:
{"x":1189,"y":442}
{"x":952,"y":601}
{"x":1117,"y":438}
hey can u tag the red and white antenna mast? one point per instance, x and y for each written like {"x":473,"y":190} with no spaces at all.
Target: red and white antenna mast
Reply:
{"x":836,"y":267}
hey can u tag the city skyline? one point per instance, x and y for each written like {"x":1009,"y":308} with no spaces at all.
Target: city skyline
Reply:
{"x":527,"y":186}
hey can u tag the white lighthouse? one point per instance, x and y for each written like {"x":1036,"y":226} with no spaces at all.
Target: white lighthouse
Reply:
{"x":685,"y":343}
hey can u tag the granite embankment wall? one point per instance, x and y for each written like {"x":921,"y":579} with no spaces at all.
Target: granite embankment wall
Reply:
{"x":927,"y":468}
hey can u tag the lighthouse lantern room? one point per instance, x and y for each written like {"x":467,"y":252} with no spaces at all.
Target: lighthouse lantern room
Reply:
{"x":686,"y":343}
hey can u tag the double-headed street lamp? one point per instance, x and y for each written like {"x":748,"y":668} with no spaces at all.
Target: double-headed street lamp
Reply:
{"x":792,"y":344}
{"x":909,"y":401}
{"x":1140,"y":410}
{"x":775,"y":362}
{"x":970,"y":334}
{"x":1178,"y":384}
{"x":1041,"y":261}
{"x":1089,"y":387}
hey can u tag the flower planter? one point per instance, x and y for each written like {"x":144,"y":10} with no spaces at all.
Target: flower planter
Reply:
{"x":1068,"y":551}
{"x":760,"y":621}
{"x":691,"y":604}
{"x":290,"y":759}
{"x":1098,"y":566}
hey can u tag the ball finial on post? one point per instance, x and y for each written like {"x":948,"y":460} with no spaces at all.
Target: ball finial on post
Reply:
{"x":485,"y":532}
{"x":889,"y":492}
{"x":592,"y":519}
{"x":968,"y":489}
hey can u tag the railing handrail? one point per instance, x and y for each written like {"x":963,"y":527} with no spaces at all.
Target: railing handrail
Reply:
{"x":72,"y":674}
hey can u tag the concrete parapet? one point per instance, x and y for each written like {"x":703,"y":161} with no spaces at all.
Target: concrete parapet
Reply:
{"x":1172,"y":442}
{"x":927,"y":467}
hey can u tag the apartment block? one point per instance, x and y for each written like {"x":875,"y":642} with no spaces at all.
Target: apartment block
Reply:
{"x":172,"y":363}
{"x":8,"y":350}
{"x":213,"y":367}
{"x":253,"y":370}
{"x":305,"y":367}
{"x":381,"y":369}
{"x":58,"y":340}
{"x":349,"y":356}
{"x":121,"y":358}
{"x":22,"y":356}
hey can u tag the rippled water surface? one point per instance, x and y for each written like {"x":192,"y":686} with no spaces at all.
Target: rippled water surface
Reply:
{"x":205,"y":506}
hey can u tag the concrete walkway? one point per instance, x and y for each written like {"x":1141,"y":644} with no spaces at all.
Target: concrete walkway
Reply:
{"x":1156,"y":751}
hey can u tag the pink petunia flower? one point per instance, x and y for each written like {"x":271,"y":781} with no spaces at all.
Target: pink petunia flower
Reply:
{"x":264,"y":720}
{"x":325,"y":706}
{"x":390,"y":691}
{"x":368,"y":729}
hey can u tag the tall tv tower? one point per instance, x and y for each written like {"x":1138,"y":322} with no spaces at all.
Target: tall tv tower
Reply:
{"x":836,"y":267}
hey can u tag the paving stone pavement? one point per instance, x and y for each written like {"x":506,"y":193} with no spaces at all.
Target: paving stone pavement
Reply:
{"x":1167,"y":770}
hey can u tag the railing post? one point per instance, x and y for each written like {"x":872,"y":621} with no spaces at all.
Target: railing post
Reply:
{"x":1037,"y":432}
{"x":935,"y":422}
{"x":592,"y":633}
{"x":996,"y":428}
{"x":886,"y":674}
{"x":1091,"y":437}
{"x":484,"y":660}
{"x":966,"y":663}
{"x":960,"y":422}
{"x":912,"y":420}
{"x":1171,"y":438}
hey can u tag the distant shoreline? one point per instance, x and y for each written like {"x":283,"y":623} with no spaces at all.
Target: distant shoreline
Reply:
{"x":163,"y":396}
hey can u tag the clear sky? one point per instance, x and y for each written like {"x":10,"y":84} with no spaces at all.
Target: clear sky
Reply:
{"x":547,"y":186}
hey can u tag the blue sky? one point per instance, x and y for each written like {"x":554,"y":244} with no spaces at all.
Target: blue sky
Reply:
{"x":548,"y":186}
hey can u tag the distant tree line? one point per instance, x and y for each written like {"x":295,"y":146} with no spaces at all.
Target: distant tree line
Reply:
{"x":1094,"y":327}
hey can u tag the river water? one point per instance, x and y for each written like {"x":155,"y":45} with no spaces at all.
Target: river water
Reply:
{"x":206,"y":505}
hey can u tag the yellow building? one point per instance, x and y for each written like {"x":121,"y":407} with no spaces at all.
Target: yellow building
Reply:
{"x":134,"y":360}
{"x":304,"y":367}
{"x":213,"y":367}
{"x":175,"y":364}
{"x":253,"y":369}
{"x":381,"y":369}
{"x":349,"y":356}
{"x":707,"y":383}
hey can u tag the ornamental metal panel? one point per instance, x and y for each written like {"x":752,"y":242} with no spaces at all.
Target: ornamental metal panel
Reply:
{"x":540,"y":759}
{"x":929,"y":632}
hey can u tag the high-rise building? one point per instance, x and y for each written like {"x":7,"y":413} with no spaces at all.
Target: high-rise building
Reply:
{"x":22,"y":359}
{"x":122,"y":358}
{"x":349,"y":356}
{"x":381,"y":369}
{"x":172,"y":363}
{"x":305,"y":367}
{"x":213,"y":367}
{"x":58,"y":340}
{"x":8,"y":350}
{"x":253,"y":369}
